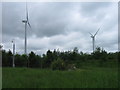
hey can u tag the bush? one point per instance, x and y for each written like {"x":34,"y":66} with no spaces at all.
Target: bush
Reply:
{"x":71,"y":67}
{"x":58,"y":64}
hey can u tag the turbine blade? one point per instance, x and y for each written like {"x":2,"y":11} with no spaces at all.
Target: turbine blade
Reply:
{"x":90,"y":34}
{"x":29,"y":24}
{"x":27,"y":16}
{"x":26,"y":12}
{"x":97,"y":31}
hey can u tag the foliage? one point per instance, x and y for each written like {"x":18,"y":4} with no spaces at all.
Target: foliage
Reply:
{"x":58,"y":64}
{"x":68,"y":57}
{"x":71,"y":67}
{"x":34,"y":60}
{"x":7,"y":56}
{"x":20,"y":60}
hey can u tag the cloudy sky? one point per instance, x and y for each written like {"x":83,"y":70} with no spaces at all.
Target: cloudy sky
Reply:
{"x":60,"y":25}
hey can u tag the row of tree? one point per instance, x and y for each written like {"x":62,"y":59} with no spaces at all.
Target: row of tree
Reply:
{"x":45,"y":60}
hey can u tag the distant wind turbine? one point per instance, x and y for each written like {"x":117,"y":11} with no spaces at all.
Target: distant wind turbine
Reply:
{"x":13,"y":41}
{"x":26,"y":21}
{"x":93,"y":39}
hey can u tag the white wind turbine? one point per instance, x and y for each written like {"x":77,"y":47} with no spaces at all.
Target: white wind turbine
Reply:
{"x":93,"y":39}
{"x":13,"y":63}
{"x":26,"y":21}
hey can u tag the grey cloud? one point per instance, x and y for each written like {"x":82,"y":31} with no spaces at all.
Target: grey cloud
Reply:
{"x":90,"y":9}
{"x":51,"y":20}
{"x":12,"y":16}
{"x":60,"y":25}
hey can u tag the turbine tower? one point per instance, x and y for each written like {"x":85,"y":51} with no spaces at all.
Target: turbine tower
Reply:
{"x":13,"y":41}
{"x":93,"y":39}
{"x":26,"y":21}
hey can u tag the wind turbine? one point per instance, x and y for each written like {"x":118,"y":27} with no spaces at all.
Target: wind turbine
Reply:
{"x":26,"y":21}
{"x":93,"y":39}
{"x":13,"y":41}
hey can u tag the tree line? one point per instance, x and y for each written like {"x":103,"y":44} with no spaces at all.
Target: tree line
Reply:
{"x":56,"y":59}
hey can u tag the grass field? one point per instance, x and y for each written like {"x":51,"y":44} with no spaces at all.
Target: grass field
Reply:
{"x":81,"y":78}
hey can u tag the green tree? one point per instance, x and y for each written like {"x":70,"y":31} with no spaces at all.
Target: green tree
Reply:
{"x":20,"y":60}
{"x":48,"y":58}
{"x":74,"y":55}
{"x":34,"y":60}
{"x":7,"y":58}
{"x":4,"y":59}
{"x":97,"y":53}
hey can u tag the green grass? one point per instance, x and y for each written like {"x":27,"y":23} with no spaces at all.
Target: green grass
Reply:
{"x":81,"y":78}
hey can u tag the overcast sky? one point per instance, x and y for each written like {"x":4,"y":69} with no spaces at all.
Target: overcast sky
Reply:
{"x":60,"y":25}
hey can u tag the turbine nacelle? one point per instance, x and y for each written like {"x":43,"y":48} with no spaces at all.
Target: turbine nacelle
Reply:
{"x":92,"y":36}
{"x":24,"y":21}
{"x":13,"y":41}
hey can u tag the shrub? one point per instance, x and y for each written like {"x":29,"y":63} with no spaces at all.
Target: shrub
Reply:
{"x":71,"y":67}
{"x":58,"y":64}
